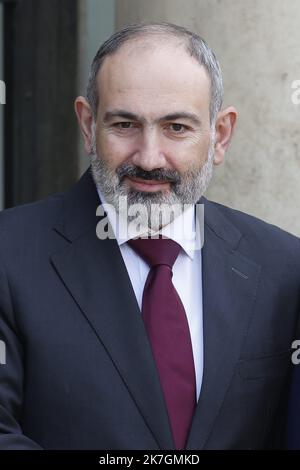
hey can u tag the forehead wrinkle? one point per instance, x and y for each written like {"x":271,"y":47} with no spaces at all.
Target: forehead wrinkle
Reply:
{"x":160,"y":65}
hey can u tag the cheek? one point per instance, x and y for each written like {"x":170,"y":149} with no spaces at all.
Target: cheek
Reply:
{"x":189,"y":154}
{"x":112,"y":150}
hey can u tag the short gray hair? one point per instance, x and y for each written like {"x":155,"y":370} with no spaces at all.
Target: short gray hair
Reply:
{"x":195,"y":46}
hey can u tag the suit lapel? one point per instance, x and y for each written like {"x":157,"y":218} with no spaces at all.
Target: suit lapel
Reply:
{"x":229,"y":288}
{"x":94,"y":273}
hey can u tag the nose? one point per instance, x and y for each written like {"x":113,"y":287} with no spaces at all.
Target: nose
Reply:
{"x":149,"y":154}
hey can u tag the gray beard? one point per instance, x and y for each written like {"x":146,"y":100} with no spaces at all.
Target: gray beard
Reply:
{"x":186,"y":189}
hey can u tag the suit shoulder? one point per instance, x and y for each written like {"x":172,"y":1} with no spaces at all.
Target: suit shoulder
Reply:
{"x":42,"y":213}
{"x":258,"y":232}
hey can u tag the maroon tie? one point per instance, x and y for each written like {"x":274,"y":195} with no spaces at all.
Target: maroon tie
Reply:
{"x":167,"y":327}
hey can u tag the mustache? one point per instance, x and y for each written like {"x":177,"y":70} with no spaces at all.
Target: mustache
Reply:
{"x":158,"y":174}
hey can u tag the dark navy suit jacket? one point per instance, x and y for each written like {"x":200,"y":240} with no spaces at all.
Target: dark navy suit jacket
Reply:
{"x":293,"y":422}
{"x":79,"y":371}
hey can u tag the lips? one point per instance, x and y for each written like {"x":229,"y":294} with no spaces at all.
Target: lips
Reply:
{"x":148,"y":185}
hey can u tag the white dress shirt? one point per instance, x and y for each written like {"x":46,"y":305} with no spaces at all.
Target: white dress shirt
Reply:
{"x":187,"y":276}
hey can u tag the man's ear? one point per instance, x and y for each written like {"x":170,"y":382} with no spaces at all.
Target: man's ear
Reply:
{"x":85,"y":119}
{"x":225,"y":125}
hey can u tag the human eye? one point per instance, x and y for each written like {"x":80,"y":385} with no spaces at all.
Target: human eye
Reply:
{"x":177,"y":128}
{"x":123,"y":125}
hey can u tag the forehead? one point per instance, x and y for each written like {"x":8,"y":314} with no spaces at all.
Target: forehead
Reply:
{"x":150,"y":77}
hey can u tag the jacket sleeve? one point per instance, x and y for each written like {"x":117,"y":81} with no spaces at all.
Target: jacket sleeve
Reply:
{"x":11,"y":375}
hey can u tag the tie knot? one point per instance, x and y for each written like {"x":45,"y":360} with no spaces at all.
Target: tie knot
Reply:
{"x":156,"y":251}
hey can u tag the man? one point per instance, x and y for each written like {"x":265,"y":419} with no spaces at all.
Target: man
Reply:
{"x":137,"y":338}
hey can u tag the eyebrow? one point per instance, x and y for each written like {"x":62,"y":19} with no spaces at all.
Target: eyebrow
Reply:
{"x":121,"y":113}
{"x":182,"y":115}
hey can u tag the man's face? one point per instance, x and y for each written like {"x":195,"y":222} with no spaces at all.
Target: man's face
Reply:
{"x":152,"y":136}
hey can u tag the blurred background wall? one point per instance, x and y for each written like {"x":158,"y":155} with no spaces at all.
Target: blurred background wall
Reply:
{"x":257,"y":43}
